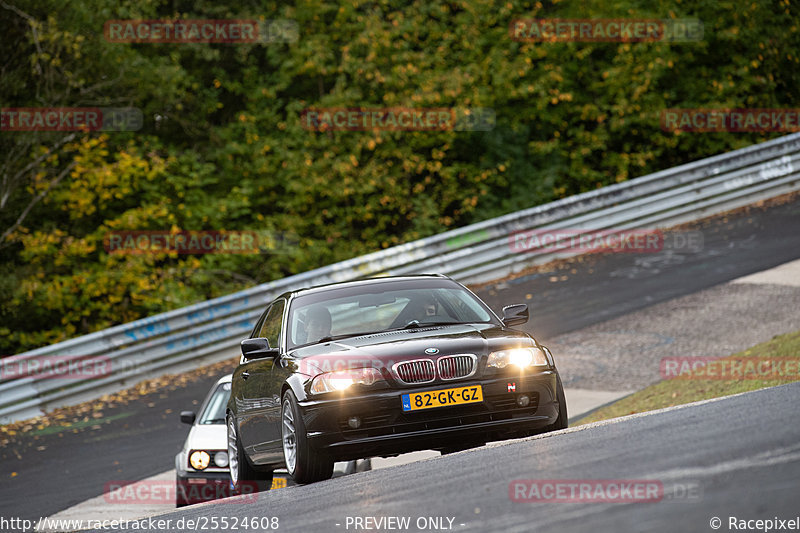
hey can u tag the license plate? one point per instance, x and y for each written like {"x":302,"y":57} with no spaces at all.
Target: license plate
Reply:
{"x":278,"y":483}
{"x":442,"y":398}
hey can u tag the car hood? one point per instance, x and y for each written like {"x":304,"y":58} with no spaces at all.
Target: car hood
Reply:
{"x":207,"y":437}
{"x":386,"y":348}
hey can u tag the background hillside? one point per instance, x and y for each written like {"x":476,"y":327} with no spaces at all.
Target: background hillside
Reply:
{"x":222,"y":145}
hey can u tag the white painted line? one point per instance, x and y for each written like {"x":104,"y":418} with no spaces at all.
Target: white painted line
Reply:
{"x":581,"y":401}
{"x":402,"y":459}
{"x":104,"y":508}
{"x":99,"y":508}
{"x":785,"y":274}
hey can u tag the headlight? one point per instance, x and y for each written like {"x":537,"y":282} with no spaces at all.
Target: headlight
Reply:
{"x":549,"y":356}
{"x":343,"y":379}
{"x":199,"y":460}
{"x":521,"y":357}
{"x":221,"y":459}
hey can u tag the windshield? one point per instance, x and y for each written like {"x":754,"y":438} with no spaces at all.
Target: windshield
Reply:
{"x":386,"y":306}
{"x":214,"y":412}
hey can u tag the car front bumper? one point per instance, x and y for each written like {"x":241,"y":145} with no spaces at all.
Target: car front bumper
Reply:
{"x":196,"y":487}
{"x":388,"y":430}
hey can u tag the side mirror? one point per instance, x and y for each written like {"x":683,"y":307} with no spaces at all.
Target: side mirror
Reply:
{"x":515,"y":314}
{"x":257,"y":348}
{"x":187,"y":417}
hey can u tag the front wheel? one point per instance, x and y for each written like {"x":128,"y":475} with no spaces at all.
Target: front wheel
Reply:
{"x":562,"y":421}
{"x":460,"y":447}
{"x":304,"y":464}
{"x":181,"y":498}
{"x":244,"y":477}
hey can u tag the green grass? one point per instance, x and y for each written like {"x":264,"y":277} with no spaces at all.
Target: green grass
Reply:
{"x":694,"y":386}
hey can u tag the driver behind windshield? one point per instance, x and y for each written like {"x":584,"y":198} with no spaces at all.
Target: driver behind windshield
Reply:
{"x":422,"y":310}
{"x":318,"y":324}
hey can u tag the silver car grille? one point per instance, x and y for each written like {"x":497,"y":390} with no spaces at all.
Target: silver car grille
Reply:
{"x":417,"y":371}
{"x":456,"y":366}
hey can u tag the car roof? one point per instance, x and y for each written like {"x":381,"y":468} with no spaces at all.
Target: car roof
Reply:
{"x":366,"y":281}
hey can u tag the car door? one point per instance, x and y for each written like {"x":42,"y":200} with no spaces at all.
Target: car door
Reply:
{"x":271,"y":450}
{"x":241,"y":396}
{"x":259,"y":403}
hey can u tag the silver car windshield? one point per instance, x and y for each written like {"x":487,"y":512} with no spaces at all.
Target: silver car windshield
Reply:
{"x":214,"y":413}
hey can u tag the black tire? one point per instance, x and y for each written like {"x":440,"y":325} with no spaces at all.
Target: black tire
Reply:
{"x":246,"y":479}
{"x":180,"y":492}
{"x":309,"y":465}
{"x":460,"y":447}
{"x":562,"y":422}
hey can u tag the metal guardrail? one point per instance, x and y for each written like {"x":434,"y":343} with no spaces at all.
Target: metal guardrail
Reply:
{"x":211,"y":331}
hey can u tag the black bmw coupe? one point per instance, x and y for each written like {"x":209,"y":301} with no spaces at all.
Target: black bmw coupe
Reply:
{"x":384,"y":366}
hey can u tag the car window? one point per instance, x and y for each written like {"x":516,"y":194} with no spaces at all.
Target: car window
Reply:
{"x":271,"y":328}
{"x":464,"y":306}
{"x":350,"y":311}
{"x":214,"y":413}
{"x":259,"y":324}
{"x":347,"y":316}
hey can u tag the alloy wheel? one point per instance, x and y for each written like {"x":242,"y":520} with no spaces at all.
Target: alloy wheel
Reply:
{"x":289,"y":437}
{"x":233,"y":455}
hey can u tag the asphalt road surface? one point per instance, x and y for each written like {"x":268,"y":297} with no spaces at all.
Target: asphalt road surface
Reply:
{"x":609,"y":286}
{"x":733,"y":457}
{"x":139,"y":440}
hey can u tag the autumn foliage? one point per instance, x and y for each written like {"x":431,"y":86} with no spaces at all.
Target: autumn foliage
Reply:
{"x":223,"y":147}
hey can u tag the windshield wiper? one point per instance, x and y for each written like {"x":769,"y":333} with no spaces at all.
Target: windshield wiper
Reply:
{"x":333,"y":338}
{"x":345,"y":336}
{"x":410,"y":325}
{"x":417,"y":324}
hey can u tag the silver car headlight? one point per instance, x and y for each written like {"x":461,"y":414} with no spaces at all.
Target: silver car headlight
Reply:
{"x":520,"y":357}
{"x":221,"y":459}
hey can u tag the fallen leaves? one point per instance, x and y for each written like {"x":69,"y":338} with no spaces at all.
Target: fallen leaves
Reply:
{"x":67,"y":417}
